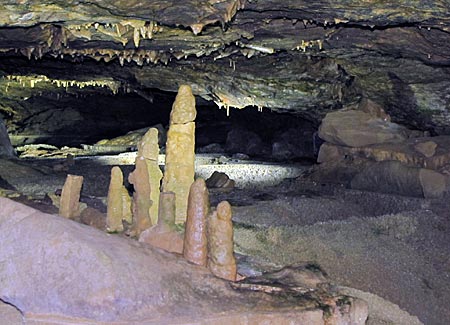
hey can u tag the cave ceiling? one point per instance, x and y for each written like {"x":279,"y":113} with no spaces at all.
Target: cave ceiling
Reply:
{"x":304,"y":57}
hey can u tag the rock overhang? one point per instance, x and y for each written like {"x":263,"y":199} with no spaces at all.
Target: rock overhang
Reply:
{"x":293,"y":56}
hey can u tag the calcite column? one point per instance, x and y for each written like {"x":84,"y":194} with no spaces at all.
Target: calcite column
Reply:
{"x":195,"y":242}
{"x":141,"y":197}
{"x":146,"y":179}
{"x":180,"y":156}
{"x":119,"y":202}
{"x":70,"y":196}
{"x":221,"y":261}
{"x":148,"y":148}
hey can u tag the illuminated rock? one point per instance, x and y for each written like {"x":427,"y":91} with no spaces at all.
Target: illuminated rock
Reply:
{"x":221,"y":259}
{"x":70,"y":196}
{"x":119,"y":202}
{"x":195,"y":242}
{"x":180,"y":147}
{"x":354,"y":128}
{"x":148,"y":148}
{"x":141,"y":197}
{"x":183,"y":109}
{"x":163,"y":235}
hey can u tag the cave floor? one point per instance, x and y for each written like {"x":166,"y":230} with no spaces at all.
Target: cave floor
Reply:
{"x":389,"y":250}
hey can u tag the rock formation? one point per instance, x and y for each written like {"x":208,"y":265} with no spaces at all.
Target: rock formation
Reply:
{"x":195,"y":240}
{"x":6,"y":149}
{"x":65,"y":272}
{"x":180,"y":156}
{"x":119,"y":202}
{"x":70,"y":197}
{"x":164,"y":235}
{"x":141,"y":196}
{"x":148,"y":148}
{"x":221,"y":259}
{"x":378,"y":155}
{"x":219,"y":180}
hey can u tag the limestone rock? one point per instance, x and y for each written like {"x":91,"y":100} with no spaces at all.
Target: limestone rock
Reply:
{"x":166,"y":213}
{"x":180,"y":165}
{"x":183,"y":109}
{"x":407,"y":152}
{"x":148,"y":147}
{"x":434,"y":184}
{"x":329,"y":152}
{"x":357,"y":129}
{"x":389,"y":177}
{"x":141,"y":196}
{"x":64,"y":272}
{"x":221,"y":259}
{"x":94,"y":218}
{"x":220,"y":180}
{"x":155,"y":175}
{"x":70,"y":196}
{"x":428,"y":148}
{"x":195,"y":241}
{"x":119,"y":202}
{"x":370,"y":107}
{"x":163,"y":235}
{"x":169,"y":241}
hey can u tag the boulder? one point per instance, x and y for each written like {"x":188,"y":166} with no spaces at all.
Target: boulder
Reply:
{"x":395,"y":178}
{"x":57,"y":271}
{"x":354,"y":128}
{"x":425,"y":152}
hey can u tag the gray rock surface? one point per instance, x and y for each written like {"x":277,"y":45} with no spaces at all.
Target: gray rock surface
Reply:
{"x":6,"y":148}
{"x":55,"y":270}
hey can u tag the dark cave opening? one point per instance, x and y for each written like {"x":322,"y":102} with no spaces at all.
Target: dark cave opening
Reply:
{"x":75,"y":118}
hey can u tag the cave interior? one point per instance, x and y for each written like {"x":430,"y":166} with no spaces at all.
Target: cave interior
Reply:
{"x":81,"y":79}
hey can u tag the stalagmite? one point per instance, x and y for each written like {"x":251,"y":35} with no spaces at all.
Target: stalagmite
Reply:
{"x":166,"y":215}
{"x":148,"y":149}
{"x":180,"y":156}
{"x":141,"y":197}
{"x":195,"y":244}
{"x":221,"y":259}
{"x":70,"y":196}
{"x":119,"y":202}
{"x":164,"y":235}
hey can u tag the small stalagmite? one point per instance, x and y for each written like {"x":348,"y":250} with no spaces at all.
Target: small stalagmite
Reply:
{"x":164,"y":235}
{"x":195,"y":242}
{"x":221,"y":261}
{"x":141,"y":197}
{"x":70,"y":197}
{"x":148,"y":148}
{"x":119,"y":202}
{"x":180,"y":154}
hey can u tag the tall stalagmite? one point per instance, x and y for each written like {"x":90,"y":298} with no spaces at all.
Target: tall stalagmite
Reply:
{"x":70,"y":196}
{"x":141,"y":197}
{"x":195,"y":242}
{"x":119,"y":202}
{"x":148,"y":148}
{"x":221,"y":259}
{"x":180,"y":155}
